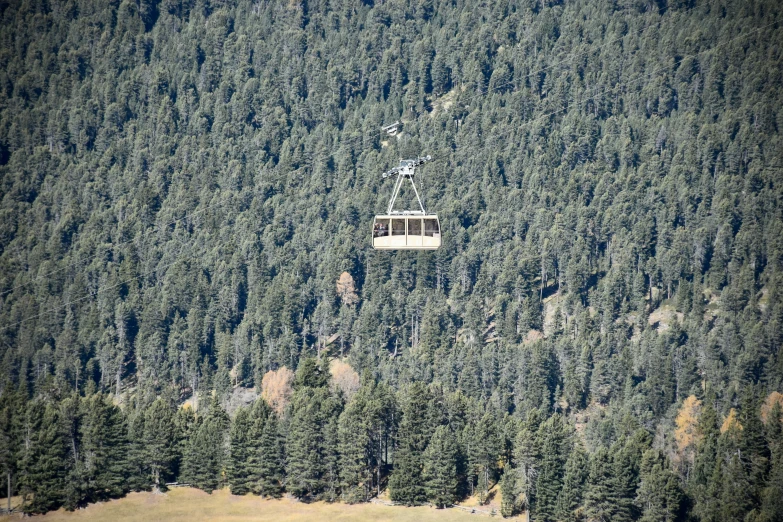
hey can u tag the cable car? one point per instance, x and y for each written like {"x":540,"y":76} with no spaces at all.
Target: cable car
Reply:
{"x":406,"y":229}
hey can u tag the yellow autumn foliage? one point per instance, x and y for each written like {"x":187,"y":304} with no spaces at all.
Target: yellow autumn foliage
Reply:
{"x":769,"y":403}
{"x":277,"y":388}
{"x":731,"y":422}
{"x":686,"y":434}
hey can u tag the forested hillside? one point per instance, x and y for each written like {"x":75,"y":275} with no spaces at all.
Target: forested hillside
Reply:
{"x":187,"y":190}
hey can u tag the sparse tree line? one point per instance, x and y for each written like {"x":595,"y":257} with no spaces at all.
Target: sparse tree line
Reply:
{"x":186,"y":188}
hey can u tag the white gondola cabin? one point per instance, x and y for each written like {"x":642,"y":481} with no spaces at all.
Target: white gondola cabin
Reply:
{"x":401,"y":232}
{"x":406,"y":229}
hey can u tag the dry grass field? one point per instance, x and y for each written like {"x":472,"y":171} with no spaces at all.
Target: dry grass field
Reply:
{"x":193,"y":505}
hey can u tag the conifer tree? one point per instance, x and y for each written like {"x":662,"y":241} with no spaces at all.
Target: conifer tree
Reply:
{"x":156,"y":449}
{"x":705,"y":461}
{"x":440,"y":468}
{"x":659,"y":496}
{"x":10,"y":414}
{"x":554,"y":452}
{"x":406,"y":484}
{"x":304,"y":445}
{"x":42,"y":465}
{"x":772,"y":495}
{"x":238,"y":473}
{"x":205,"y":459}
{"x":599,"y":499}
{"x":312,"y":441}
{"x":485,"y":449}
{"x":270,"y":460}
{"x":104,"y":449}
{"x":508,"y":492}
{"x":527,"y":456}
{"x":577,"y":469}
{"x":355,"y":472}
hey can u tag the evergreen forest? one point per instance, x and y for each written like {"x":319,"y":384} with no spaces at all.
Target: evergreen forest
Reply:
{"x":188,"y":292}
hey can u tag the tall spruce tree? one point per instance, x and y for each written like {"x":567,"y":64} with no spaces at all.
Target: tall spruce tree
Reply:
{"x":269,"y":460}
{"x":104,"y":449}
{"x":576,"y":473}
{"x":42,"y":464}
{"x":406,"y":484}
{"x":205,"y":457}
{"x":772,"y":495}
{"x":312,"y":470}
{"x":554,"y":452}
{"x":440,"y":468}
{"x":599,"y":495}
{"x":355,"y":470}
{"x":659,"y":496}
{"x":508,"y":492}
{"x":239,"y":475}
{"x":155,"y":449}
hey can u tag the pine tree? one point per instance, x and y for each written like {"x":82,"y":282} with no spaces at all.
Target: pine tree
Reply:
{"x":659,"y":496}
{"x":701,"y":478}
{"x":204,"y":461}
{"x":576,"y":472}
{"x":312,"y":441}
{"x":42,"y":466}
{"x":508,"y":492}
{"x":104,"y":449}
{"x":305,"y":469}
{"x":554,"y":451}
{"x":406,"y":484}
{"x":485,"y":449}
{"x":527,"y":458}
{"x":238,"y":473}
{"x":772,"y":495}
{"x":355,"y":472}
{"x":599,"y":501}
{"x":270,"y":460}
{"x":156,"y":448}
{"x":752,"y":445}
{"x":330,"y":415}
{"x":11,"y":411}
{"x":440,"y":468}
{"x":75,"y":491}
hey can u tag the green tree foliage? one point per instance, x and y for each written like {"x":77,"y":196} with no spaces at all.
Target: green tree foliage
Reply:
{"x":407,"y":483}
{"x":205,"y":454}
{"x":576,"y":473}
{"x":269,"y":460}
{"x":440,"y":468}
{"x":154,"y":448}
{"x":311,"y":447}
{"x":176,"y":209}
{"x":103,"y":450}
{"x":366,"y":427}
{"x":554,"y":448}
{"x":508,"y":492}
{"x":659,"y":496}
{"x":42,"y":462}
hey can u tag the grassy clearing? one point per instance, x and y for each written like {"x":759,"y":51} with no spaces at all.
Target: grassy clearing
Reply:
{"x":193,"y":505}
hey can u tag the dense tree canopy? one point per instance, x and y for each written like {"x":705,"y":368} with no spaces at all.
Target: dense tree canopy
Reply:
{"x":186,"y":197}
